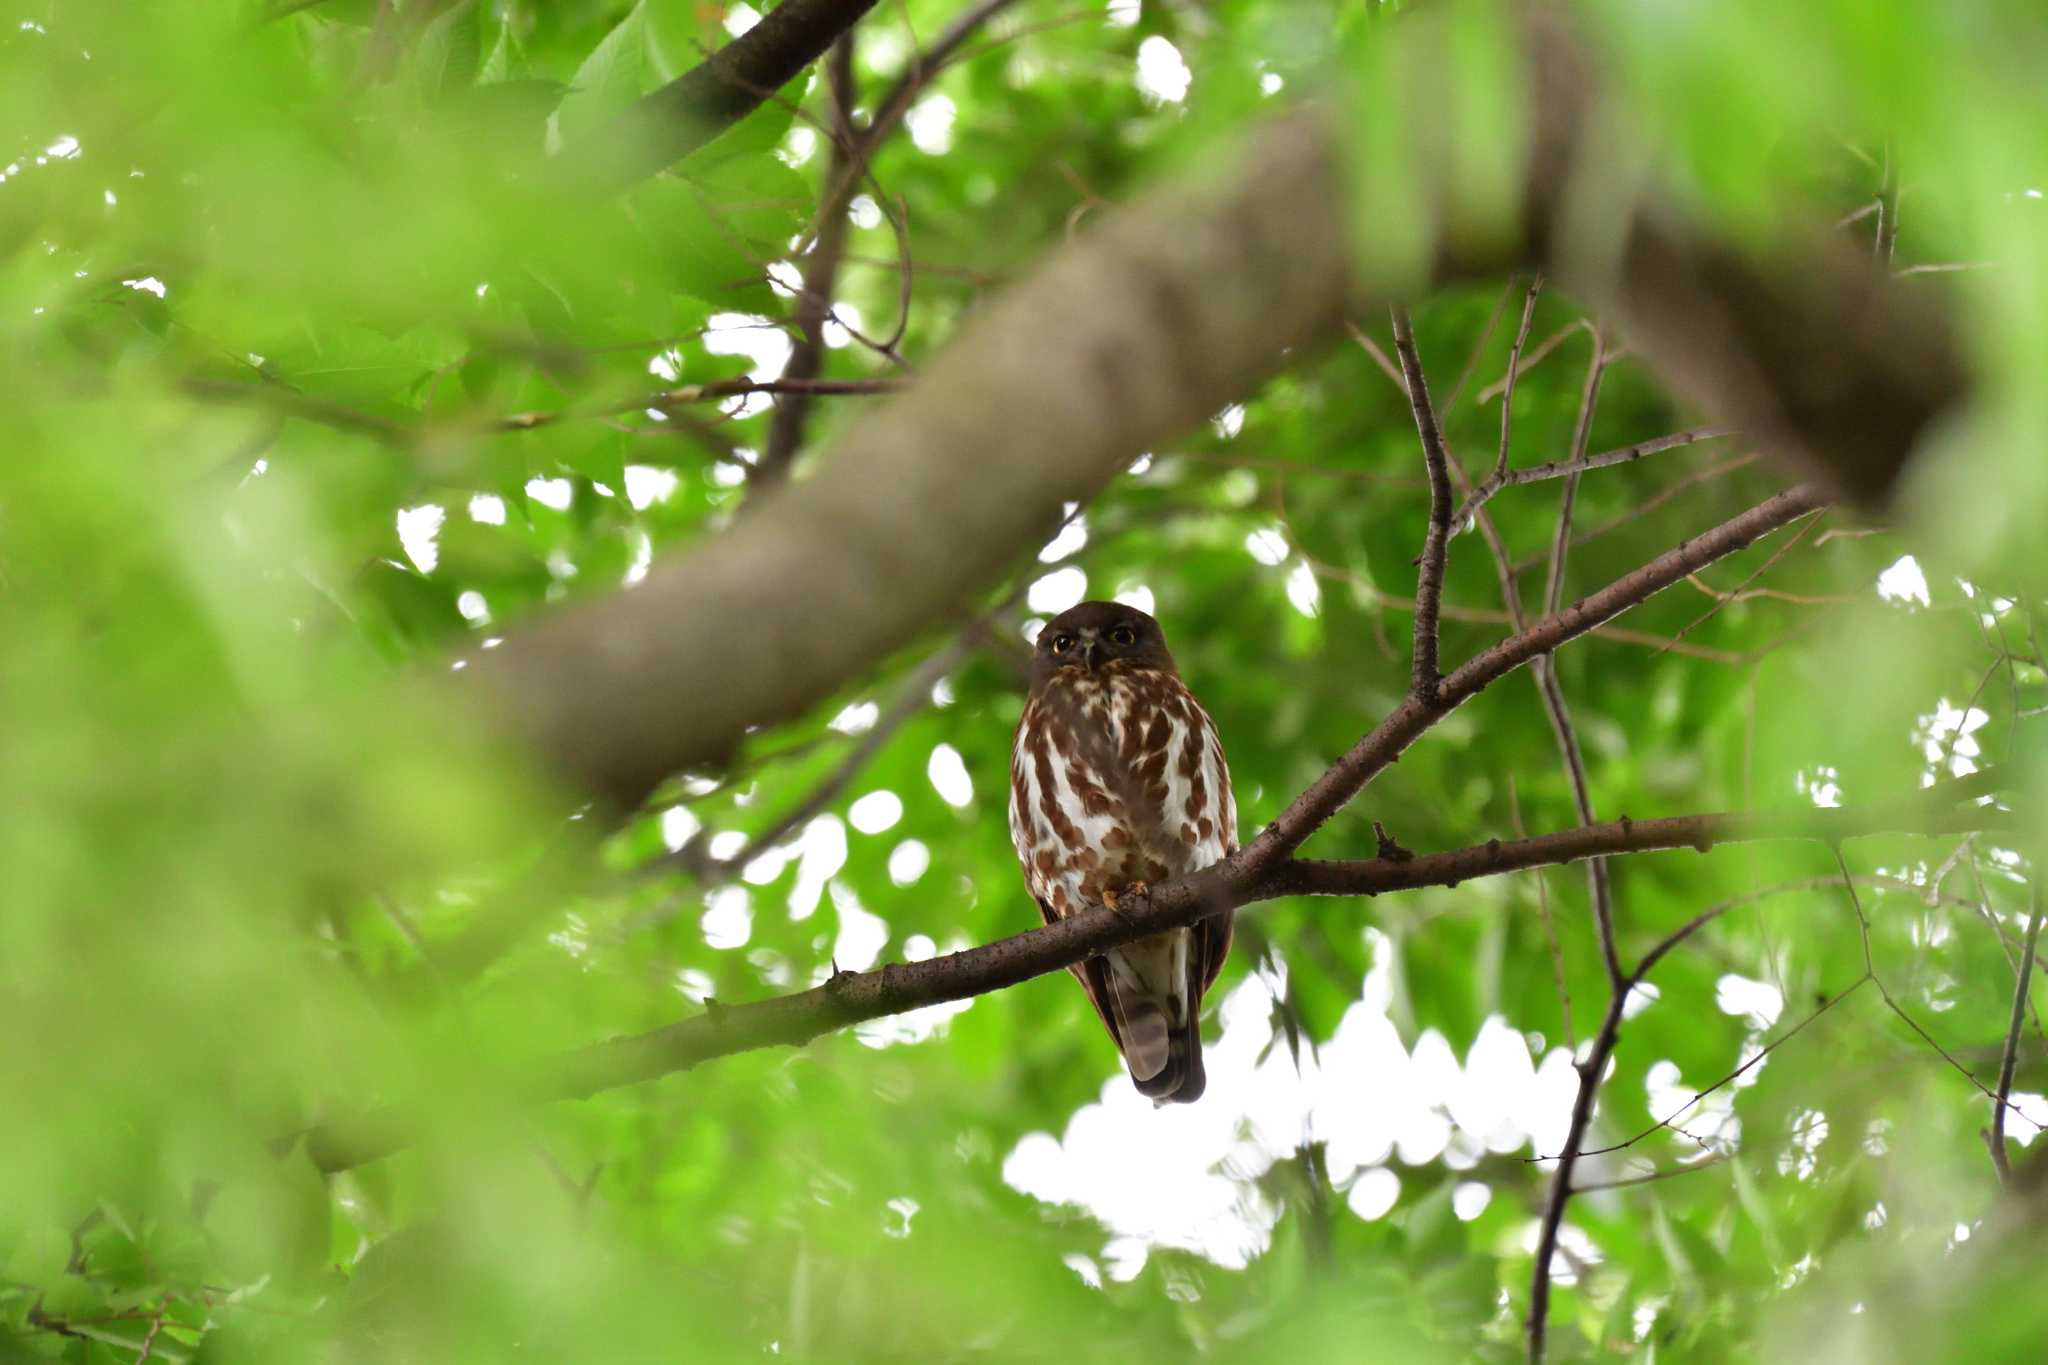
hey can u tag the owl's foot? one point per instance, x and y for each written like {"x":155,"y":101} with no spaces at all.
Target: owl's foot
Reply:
{"x":1135,"y":889}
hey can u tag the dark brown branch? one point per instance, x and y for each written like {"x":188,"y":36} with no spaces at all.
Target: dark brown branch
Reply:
{"x":1502,"y":387}
{"x":852,"y":151}
{"x":1558,"y":469}
{"x":1590,"y":1070}
{"x":1553,"y":690}
{"x":1429,"y":581}
{"x":1142,"y":327}
{"x":1999,"y":1158}
{"x":1413,"y":716}
{"x":709,"y":98}
{"x":895,"y":102}
{"x":820,"y":272}
{"x":1507,"y":402}
{"x":851,"y":998}
{"x":1373,"y":876}
{"x":1138,"y":330}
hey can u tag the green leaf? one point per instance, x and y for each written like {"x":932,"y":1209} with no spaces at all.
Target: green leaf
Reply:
{"x":613,"y":76}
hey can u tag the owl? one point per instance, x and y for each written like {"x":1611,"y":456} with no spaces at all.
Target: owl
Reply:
{"x":1117,"y":778}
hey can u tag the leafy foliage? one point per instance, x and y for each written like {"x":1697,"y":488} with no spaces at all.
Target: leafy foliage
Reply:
{"x":318,"y":385}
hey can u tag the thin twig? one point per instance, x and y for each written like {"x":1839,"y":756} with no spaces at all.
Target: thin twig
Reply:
{"x":1671,"y":1120}
{"x":1529,"y":361}
{"x":1870,"y":970}
{"x":1559,"y":469}
{"x":1429,"y":583}
{"x":1507,"y":406}
{"x":1650,"y":1177}
{"x":1378,"y":354}
{"x":1590,"y":1072}
{"x":1564,"y":991}
{"x":1476,"y":498}
{"x":820,"y":272}
{"x":1553,"y":690}
{"x":1791,"y":544}
{"x":2002,"y":1099}
{"x":1413,"y":717}
{"x":1648,"y":505}
{"x":1472,"y":356}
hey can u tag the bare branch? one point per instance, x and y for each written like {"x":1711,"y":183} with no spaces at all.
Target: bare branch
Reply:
{"x":1429,"y":583}
{"x":820,"y":274}
{"x":1412,"y":717}
{"x":1591,"y":1069}
{"x":1558,"y":469}
{"x":1662,"y":498}
{"x":1507,"y":401}
{"x":1140,"y":329}
{"x":2002,"y":1099}
{"x":1589,"y":402}
{"x":1553,"y":691}
{"x":1500,"y":387}
{"x":852,"y":997}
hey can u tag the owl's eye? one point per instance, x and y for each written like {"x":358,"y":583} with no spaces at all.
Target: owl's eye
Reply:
{"x":1062,"y":643}
{"x":1123,"y":636}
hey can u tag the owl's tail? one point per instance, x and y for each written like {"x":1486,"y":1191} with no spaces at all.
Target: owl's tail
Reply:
{"x":1161,"y":1034}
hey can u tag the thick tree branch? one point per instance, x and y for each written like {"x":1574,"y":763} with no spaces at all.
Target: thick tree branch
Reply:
{"x":853,"y":997}
{"x":1140,"y":330}
{"x":1176,"y":305}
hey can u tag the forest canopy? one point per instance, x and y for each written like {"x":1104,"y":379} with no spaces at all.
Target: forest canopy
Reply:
{"x":522,"y":534}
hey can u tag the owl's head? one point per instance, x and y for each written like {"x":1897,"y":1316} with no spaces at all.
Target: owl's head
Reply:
{"x":1099,"y":637}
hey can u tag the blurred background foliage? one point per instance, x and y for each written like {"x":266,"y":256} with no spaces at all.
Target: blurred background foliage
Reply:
{"x":312,"y":383}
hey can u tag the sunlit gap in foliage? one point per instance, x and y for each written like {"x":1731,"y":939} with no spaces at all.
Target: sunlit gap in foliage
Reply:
{"x":1187,"y":1176}
{"x":761,"y":341}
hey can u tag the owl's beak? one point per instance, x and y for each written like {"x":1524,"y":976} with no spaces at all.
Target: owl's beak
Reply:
{"x":1091,"y":650}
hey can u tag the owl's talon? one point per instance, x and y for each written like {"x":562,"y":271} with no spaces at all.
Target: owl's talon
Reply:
{"x":1138,"y":889}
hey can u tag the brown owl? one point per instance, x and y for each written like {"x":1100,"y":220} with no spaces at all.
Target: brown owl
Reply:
{"x":1117,"y":778}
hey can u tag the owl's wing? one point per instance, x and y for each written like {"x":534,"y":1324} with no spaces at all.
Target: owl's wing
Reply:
{"x":1212,"y":945}
{"x":1093,"y":975}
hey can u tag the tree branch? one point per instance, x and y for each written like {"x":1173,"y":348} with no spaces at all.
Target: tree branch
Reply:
{"x":1142,"y":328}
{"x":1429,"y":582}
{"x":1592,"y":1070}
{"x":1546,"y":669}
{"x":820,"y":272}
{"x":1999,"y":1159}
{"x":851,"y":997}
{"x":1558,"y":469}
{"x":1413,"y":716}
{"x":688,"y":112}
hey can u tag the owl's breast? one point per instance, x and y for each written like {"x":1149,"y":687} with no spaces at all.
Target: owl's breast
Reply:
{"x":1116,"y":778}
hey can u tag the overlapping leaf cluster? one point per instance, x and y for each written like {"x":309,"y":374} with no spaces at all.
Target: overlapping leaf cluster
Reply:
{"x":317,"y":378}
